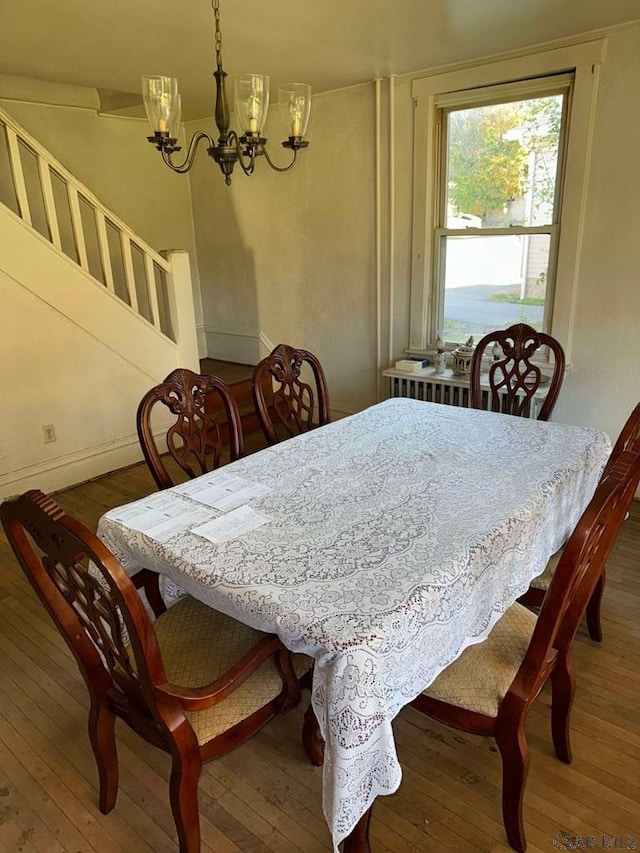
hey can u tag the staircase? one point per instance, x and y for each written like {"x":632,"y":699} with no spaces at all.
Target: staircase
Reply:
{"x":92,"y":317}
{"x":44,"y":195}
{"x":239,"y":378}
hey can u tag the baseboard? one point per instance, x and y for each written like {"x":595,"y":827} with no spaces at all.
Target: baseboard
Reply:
{"x":243,"y":346}
{"x":201,"y":337}
{"x":74,"y":468}
{"x":342,"y":410}
{"x":267,"y":345}
{"x":240,"y":346}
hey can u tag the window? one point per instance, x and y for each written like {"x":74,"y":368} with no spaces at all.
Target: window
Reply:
{"x":498,"y":208}
{"x":500,"y":162}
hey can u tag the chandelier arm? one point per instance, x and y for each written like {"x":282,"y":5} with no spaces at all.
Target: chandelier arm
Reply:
{"x":187,"y":163}
{"x":279,"y":168}
{"x":247,"y":167}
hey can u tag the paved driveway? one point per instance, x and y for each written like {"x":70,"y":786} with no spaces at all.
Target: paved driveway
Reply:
{"x":473,"y":308}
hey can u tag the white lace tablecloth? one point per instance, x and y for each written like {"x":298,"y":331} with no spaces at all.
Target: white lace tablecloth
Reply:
{"x":396,"y":537}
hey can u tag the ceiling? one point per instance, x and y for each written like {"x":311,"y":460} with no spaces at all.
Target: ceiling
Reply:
{"x":328,"y":43}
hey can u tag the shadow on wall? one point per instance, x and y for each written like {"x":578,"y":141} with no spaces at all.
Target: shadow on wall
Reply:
{"x":226,"y":265}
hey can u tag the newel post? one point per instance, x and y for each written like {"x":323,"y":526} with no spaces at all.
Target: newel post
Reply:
{"x":181,"y":307}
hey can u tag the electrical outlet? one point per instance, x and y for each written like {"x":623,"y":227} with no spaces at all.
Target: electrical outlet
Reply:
{"x":49,"y":433}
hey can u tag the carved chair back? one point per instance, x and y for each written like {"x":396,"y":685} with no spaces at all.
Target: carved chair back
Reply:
{"x":294,"y":401}
{"x":97,"y":610}
{"x":197,"y":437}
{"x":514,"y":378}
{"x":629,"y":439}
{"x":577,"y":573}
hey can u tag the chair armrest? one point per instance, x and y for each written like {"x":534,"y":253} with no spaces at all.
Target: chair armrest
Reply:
{"x":199,"y":698}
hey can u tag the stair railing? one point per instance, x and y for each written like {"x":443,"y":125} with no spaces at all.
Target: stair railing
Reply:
{"x":46,"y":196}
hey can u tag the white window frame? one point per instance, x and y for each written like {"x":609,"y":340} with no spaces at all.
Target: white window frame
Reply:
{"x":583,"y":61}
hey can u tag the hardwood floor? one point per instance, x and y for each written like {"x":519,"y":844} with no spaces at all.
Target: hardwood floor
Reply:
{"x":230,"y":371}
{"x":265,"y":796}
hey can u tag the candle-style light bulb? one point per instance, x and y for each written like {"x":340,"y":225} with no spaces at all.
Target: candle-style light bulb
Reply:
{"x":296,"y":110}
{"x":161,"y":99}
{"x":296,"y":99}
{"x":253,"y":112}
{"x":251,"y":102}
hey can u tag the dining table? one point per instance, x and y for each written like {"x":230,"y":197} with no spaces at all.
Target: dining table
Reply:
{"x":381,"y":545}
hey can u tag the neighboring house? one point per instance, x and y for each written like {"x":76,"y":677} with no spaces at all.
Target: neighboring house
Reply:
{"x":295,"y":258}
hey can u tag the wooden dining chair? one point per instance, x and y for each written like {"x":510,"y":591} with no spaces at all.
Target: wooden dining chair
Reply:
{"x":513,"y":377}
{"x":628,"y":440}
{"x":295,"y":402}
{"x":207,"y":418}
{"x":489,"y":689}
{"x":195,"y":683}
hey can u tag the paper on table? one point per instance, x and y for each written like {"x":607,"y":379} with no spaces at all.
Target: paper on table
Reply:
{"x":222,"y":491}
{"x":231,"y":526}
{"x":161,"y":516}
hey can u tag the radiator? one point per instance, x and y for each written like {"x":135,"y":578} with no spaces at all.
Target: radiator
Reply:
{"x":447,"y":389}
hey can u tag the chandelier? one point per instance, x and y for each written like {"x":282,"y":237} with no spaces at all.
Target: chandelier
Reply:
{"x":162,"y":104}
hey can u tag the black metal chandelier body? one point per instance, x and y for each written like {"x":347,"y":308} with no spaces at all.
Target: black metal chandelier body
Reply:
{"x":162,"y":104}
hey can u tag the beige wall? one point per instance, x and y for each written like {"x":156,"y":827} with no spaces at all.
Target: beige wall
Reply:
{"x":55,"y":372}
{"x":293,"y":257}
{"x":36,"y":354}
{"x":604,"y":383}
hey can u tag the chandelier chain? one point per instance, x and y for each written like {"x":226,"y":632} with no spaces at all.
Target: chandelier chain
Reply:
{"x":215,"y":5}
{"x":230,"y":149}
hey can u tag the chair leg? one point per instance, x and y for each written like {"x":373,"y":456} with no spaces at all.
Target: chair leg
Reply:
{"x":149,"y":582}
{"x":533,"y":597}
{"x":102,"y":735}
{"x":562,"y":689}
{"x":311,"y":740}
{"x":358,"y":840}
{"x":183,"y":794}
{"x":593,"y":610}
{"x":290,"y":686}
{"x":514,"y":750}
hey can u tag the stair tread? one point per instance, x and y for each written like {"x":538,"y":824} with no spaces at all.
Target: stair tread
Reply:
{"x":239,"y":378}
{"x":231,"y":371}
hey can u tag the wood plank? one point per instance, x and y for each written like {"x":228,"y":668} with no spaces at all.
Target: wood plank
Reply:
{"x":37,"y":815}
{"x":19,"y":184}
{"x":152,"y":289}
{"x":49,"y":202}
{"x":129,"y":273}
{"x":103,"y":244}
{"x":78,"y":228}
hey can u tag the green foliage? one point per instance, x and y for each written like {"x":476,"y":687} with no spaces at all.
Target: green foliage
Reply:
{"x":489,"y":150}
{"x":515,"y":300}
{"x":485,"y":169}
{"x":540,"y":124}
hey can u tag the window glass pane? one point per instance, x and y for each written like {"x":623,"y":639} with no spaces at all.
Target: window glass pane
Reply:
{"x":91,"y":243}
{"x":117,"y":262}
{"x":493,"y":281}
{"x":31,"y":175}
{"x":502,"y":163}
{"x":63,"y":215}
{"x":142,"y":287}
{"x":163,"y":302}
{"x":7,"y":188}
